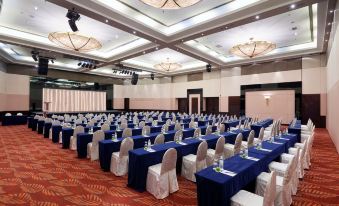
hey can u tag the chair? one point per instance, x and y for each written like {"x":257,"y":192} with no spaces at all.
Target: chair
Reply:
{"x":93,"y":147}
{"x":154,"y":123}
{"x":178,"y":135}
{"x":141,"y":124}
{"x":168,"y":122}
{"x":177,"y":126}
{"x":230,"y":149}
{"x":127,"y":133}
{"x":194,"y":163}
{"x":191,"y":124}
{"x":244,"y":198}
{"x":164,"y":128}
{"x":105,"y":127}
{"x":217,"y":153}
{"x":306,"y":159}
{"x":119,"y":160}
{"x":283,"y":186}
{"x":208,"y":130}
{"x":197,"y":132}
{"x":222,"y":128}
{"x":54,"y":123}
{"x":160,"y":139}
{"x":250,"y":140}
{"x":162,"y":178}
{"x":73,"y":141}
{"x":261,"y":136}
{"x":146,"y":130}
{"x":90,"y":124}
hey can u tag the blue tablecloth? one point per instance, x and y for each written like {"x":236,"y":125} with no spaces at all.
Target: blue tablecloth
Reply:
{"x":34,"y":124}
{"x":295,"y":129}
{"x":82,"y":140}
{"x":68,"y":132}
{"x":13,"y":120}
{"x":140,"y":159}
{"x":47,"y":127}
{"x":107,"y":147}
{"x":256,"y":127}
{"x":216,"y":188}
{"x":56,"y":129}
{"x":30,"y":122}
{"x":232,"y":135}
{"x":231,"y":123}
{"x":41,"y":124}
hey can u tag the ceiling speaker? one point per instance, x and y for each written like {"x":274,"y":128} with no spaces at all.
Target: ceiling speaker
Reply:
{"x":134,"y":79}
{"x":208,"y":67}
{"x":43,"y":66}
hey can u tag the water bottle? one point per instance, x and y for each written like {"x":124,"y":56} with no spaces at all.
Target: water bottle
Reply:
{"x":221,"y":163}
{"x":145,"y":146}
{"x":149,"y":144}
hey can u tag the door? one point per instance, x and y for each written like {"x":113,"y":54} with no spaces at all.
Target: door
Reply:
{"x":194,"y":105}
{"x":182,"y":105}
{"x":126,"y":103}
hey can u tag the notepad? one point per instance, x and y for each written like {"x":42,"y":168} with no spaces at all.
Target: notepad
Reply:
{"x":252,"y":158}
{"x":229,"y":173}
{"x":266,"y":150}
{"x":277,"y":143}
{"x":182,"y":143}
{"x":150,"y":150}
{"x":115,"y":140}
{"x":283,"y":138}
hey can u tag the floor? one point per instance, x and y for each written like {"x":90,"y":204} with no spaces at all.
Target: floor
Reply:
{"x":34,"y":171}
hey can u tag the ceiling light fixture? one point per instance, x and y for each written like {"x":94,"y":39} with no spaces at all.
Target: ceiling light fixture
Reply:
{"x":170,"y":4}
{"x":292,"y":6}
{"x":74,"y":41}
{"x":252,"y":48}
{"x":257,"y":17}
{"x":167,"y":66}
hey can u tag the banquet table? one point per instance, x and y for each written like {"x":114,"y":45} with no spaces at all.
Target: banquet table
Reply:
{"x":107,"y":147}
{"x":47,"y":127}
{"x":41,"y":124}
{"x":264,"y":123}
{"x":68,"y":132}
{"x":230,"y":123}
{"x":295,"y":129}
{"x":56,"y":129}
{"x":34,"y":124}
{"x":215,"y":188}
{"x":14,"y":120}
{"x":29,"y":122}
{"x":140,"y":159}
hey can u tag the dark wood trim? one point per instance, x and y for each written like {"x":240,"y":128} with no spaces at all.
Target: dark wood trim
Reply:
{"x":195,"y":91}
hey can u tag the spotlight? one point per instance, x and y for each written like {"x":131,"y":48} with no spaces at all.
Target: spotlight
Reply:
{"x":35,"y":55}
{"x":73,"y":16}
{"x":83,"y":64}
{"x":152,"y":76}
{"x":95,"y":66}
{"x":90,"y":66}
{"x":79,"y":64}
{"x":87,"y":65}
{"x":52,"y":61}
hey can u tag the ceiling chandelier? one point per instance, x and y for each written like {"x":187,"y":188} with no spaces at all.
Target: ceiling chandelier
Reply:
{"x":170,"y":4}
{"x":252,"y":48}
{"x":74,"y":41}
{"x":167,"y":66}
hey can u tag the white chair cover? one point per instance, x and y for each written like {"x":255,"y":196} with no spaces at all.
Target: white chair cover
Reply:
{"x":127,"y":133}
{"x":208,"y":130}
{"x":119,"y":160}
{"x":162,"y":178}
{"x":197,"y":132}
{"x":105,"y":127}
{"x":160,"y":139}
{"x":93,"y":147}
{"x":230,"y":149}
{"x":194,"y":163}
{"x":212,"y":154}
{"x":146,"y":130}
{"x":177,"y":127}
{"x":73,"y":141}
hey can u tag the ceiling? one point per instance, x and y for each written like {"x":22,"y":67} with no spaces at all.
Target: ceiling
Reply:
{"x":140,"y":36}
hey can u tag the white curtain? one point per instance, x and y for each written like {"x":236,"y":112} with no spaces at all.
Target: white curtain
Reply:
{"x":62,"y":100}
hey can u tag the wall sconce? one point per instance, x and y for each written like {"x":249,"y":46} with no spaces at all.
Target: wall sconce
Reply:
{"x":267,"y":98}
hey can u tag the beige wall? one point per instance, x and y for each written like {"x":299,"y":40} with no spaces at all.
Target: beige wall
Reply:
{"x":333,"y":91}
{"x":280,"y":105}
{"x":14,"y":91}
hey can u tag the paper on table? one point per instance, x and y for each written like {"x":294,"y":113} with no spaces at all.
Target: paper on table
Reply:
{"x":150,"y":150}
{"x":182,"y":143}
{"x":284,"y":138}
{"x":277,"y":143}
{"x":266,"y":150}
{"x":229,"y":173}
{"x":252,"y":158}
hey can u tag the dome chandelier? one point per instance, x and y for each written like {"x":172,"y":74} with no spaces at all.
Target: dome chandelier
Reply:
{"x":74,"y":41}
{"x":170,"y":4}
{"x":167,"y":66}
{"x":252,"y":48}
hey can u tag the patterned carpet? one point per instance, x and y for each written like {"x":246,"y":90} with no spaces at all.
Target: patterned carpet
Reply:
{"x":34,"y":171}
